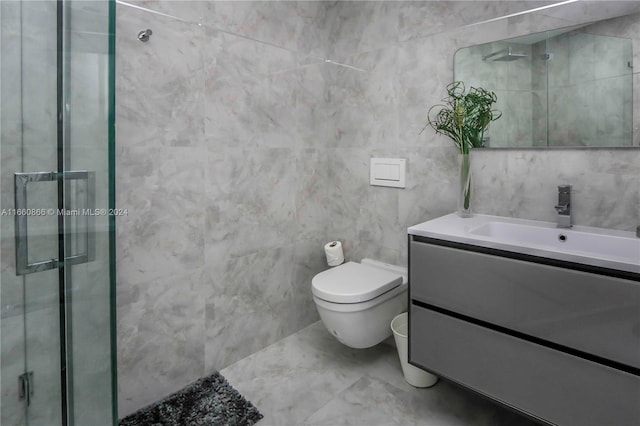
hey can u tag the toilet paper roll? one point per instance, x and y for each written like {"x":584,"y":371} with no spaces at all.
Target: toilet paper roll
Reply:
{"x":333,"y":250}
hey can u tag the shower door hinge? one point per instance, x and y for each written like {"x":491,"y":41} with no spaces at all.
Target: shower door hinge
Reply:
{"x":25,"y":386}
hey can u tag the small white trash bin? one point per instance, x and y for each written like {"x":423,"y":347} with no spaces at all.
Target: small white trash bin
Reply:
{"x":413,"y":375}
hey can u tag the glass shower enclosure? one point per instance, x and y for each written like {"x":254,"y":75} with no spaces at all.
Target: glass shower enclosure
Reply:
{"x":57,"y":230}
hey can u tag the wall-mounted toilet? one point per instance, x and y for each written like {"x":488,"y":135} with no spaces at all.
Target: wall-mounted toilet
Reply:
{"x":357,"y":301}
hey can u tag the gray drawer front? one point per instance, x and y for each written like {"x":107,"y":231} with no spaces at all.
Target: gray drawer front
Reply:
{"x":547,"y":384}
{"x":593,"y":313}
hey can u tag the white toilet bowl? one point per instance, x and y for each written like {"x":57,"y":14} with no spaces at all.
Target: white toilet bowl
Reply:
{"x":357,"y":301}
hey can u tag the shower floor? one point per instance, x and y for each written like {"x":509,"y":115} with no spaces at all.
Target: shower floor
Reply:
{"x":309,"y":378}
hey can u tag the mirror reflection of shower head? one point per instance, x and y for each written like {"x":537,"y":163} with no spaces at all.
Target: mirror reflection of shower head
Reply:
{"x":504,"y":55}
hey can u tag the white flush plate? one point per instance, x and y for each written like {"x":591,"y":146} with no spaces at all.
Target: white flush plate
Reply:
{"x":388,"y":172}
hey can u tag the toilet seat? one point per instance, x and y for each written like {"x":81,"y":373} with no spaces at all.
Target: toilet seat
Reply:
{"x":353,"y":282}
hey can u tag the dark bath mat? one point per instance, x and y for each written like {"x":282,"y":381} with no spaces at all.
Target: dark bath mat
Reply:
{"x":210,"y":401}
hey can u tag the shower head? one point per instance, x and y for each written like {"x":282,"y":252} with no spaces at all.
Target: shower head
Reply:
{"x":510,"y":57}
{"x":504,"y":55}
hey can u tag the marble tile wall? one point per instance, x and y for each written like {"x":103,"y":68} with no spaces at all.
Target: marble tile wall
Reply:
{"x":221,"y":162}
{"x":241,"y":151}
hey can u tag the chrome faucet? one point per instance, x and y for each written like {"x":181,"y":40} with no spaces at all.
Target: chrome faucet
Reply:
{"x":564,"y":206}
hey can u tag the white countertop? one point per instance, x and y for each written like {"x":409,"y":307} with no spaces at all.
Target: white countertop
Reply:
{"x":619,"y":250}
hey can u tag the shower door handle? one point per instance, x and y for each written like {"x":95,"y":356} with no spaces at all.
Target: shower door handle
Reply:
{"x":21,"y":180}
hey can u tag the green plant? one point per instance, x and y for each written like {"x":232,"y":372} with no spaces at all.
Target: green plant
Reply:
{"x":464,"y":116}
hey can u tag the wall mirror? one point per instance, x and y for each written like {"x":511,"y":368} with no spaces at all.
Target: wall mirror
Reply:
{"x":574,"y":86}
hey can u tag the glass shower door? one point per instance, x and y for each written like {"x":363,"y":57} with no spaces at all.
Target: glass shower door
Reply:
{"x":30,"y":306}
{"x":56,"y":284}
{"x":90,"y":296}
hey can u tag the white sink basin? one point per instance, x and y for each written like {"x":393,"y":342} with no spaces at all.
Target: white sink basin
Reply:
{"x":573,"y":240}
{"x":586,"y":245}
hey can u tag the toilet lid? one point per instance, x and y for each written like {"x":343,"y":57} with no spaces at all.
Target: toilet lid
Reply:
{"x":353,"y":283}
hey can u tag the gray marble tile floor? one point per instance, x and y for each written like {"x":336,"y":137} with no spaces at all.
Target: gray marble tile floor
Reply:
{"x":309,"y":378}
